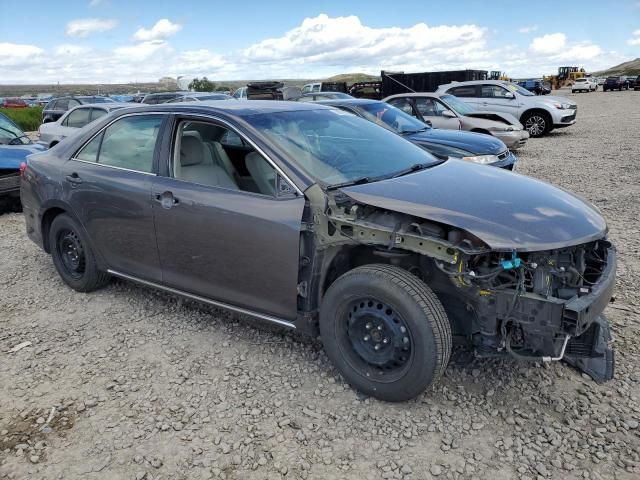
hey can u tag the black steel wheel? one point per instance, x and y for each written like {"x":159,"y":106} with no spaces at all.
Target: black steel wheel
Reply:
{"x":71,"y":252}
{"x":73,"y":256}
{"x":385,"y":331}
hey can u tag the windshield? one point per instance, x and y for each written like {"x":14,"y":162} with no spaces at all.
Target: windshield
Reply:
{"x":99,"y":100}
{"x":10,"y":133}
{"x":391,"y":117}
{"x":337,"y":147}
{"x":457,"y":105}
{"x":517,"y":88}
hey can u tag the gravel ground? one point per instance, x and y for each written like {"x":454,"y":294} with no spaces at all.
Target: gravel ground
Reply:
{"x":128,"y":383}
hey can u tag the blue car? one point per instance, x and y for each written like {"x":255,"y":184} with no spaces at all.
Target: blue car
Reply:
{"x":469,"y":146}
{"x":14,"y":148}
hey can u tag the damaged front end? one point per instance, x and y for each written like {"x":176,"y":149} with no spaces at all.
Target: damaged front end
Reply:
{"x":542,"y":305}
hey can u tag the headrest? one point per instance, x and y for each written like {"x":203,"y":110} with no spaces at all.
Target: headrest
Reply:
{"x":191,"y":151}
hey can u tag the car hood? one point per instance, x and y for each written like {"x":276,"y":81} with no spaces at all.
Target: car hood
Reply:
{"x":475,"y":143}
{"x":505,"y":210}
{"x":11,"y":156}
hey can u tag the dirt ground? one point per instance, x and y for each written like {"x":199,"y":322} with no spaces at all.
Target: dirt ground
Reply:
{"x":129,"y":383}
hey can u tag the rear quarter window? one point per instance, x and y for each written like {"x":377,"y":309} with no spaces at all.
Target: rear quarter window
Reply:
{"x":468,"y":91}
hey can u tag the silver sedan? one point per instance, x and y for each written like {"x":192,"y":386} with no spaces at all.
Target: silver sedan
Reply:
{"x":51,"y":133}
{"x":448,"y":112}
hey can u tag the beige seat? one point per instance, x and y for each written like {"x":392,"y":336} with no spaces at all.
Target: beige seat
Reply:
{"x":196,"y":165}
{"x":262,"y":173}
{"x":221,"y":158}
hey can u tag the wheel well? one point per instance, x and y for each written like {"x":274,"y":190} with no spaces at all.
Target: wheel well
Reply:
{"x":53,"y":144}
{"x":356,"y":256}
{"x":539,"y":111}
{"x":481,"y":130}
{"x":47,"y":220}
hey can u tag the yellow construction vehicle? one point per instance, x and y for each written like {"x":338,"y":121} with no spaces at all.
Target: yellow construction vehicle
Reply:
{"x":565,"y":76}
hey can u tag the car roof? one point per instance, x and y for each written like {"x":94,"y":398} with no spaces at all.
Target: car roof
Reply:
{"x":105,"y":106}
{"x":347,"y":101}
{"x":240,"y":109}
{"x":474,"y":82}
{"x":412,"y":94}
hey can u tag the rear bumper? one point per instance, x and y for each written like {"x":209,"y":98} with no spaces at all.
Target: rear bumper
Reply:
{"x":513,"y":140}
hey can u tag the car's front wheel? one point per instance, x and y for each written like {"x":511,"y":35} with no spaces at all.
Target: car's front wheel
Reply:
{"x":385,"y":331}
{"x":537,"y":124}
{"x":73,"y":257}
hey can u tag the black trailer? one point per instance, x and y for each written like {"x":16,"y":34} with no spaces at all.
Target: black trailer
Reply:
{"x":400,"y":82}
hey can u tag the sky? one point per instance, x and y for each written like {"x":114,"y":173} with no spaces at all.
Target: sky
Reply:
{"x":114,"y":41}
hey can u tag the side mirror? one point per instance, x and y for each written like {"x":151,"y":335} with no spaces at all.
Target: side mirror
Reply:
{"x":448,"y":114}
{"x":510,"y":96}
{"x":428,"y":122}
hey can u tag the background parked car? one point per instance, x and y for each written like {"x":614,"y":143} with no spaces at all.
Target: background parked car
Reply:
{"x":449,"y":112}
{"x":58,"y":106}
{"x":471,"y":147}
{"x":636,"y":86}
{"x":200,"y":97}
{"x":13,"y":103}
{"x":51,"y":133}
{"x":584,"y":84}
{"x":14,"y":148}
{"x":538,"y":114}
{"x":164,"y":97}
{"x":318,"y":96}
{"x":615,"y":83}
{"x":631,"y":82}
{"x":535,"y":86}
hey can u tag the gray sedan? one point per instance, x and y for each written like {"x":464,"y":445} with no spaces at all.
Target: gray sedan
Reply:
{"x":318,"y":220}
{"x":51,"y":133}
{"x":448,"y":112}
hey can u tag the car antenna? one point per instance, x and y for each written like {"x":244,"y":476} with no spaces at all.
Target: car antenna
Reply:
{"x":399,"y":82}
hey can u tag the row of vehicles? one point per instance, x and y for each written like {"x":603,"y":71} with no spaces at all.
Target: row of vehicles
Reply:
{"x":358,"y":221}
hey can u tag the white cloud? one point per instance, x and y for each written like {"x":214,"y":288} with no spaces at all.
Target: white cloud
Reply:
{"x":548,"y":44}
{"x":528,"y":29}
{"x":83,"y":27}
{"x":162,"y":30}
{"x":325,"y":40}
{"x":635,"y":37}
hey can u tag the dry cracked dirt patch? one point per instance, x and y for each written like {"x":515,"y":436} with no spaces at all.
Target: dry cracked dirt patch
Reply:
{"x":129,"y":383}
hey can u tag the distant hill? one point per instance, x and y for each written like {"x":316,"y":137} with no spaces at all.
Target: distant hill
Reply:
{"x":630,"y":68}
{"x":353,"y":78}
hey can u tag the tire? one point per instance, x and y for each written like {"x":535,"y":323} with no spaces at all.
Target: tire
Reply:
{"x":537,"y":123}
{"x":73,"y":257}
{"x":385,"y":331}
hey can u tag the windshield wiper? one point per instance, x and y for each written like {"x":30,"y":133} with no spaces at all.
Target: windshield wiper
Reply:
{"x":414,"y":168}
{"x":409,"y":132}
{"x":349,"y":183}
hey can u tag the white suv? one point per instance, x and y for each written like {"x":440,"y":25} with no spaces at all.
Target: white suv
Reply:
{"x":584,"y":85}
{"x":539,"y":114}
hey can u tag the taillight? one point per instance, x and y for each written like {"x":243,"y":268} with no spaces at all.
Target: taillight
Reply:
{"x":23,"y":167}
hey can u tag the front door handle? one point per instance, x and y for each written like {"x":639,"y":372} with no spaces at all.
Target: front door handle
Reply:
{"x":74,"y":178}
{"x":166,"y":199}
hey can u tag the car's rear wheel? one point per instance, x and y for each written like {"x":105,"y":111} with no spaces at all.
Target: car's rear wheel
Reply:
{"x":73,"y":257}
{"x":385,"y":331}
{"x":537,"y":124}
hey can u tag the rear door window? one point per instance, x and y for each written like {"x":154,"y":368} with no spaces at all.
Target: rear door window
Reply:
{"x":97,"y":113}
{"x":130,"y":143}
{"x":468,"y":91}
{"x":78,"y":118}
{"x":403,"y":104}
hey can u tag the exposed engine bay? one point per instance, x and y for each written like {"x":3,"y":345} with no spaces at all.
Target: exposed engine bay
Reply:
{"x":533,"y":305}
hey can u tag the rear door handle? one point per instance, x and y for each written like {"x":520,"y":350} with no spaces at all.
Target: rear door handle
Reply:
{"x":166,"y":199}
{"x":74,"y":178}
